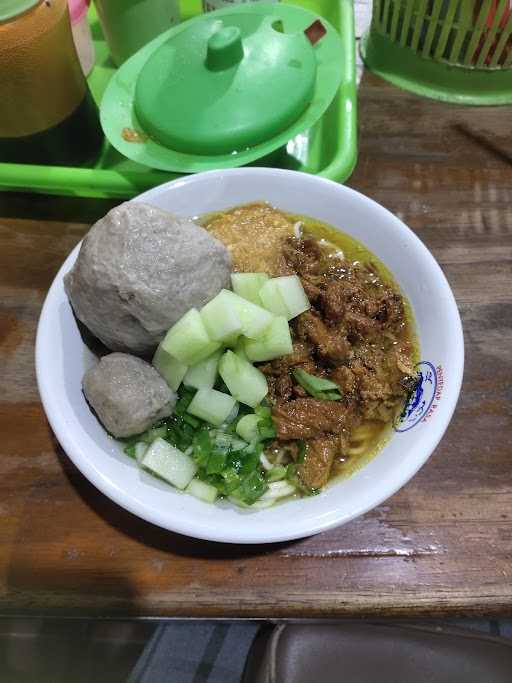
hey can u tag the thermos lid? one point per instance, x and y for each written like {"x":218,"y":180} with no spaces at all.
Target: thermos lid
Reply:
{"x":223,"y":89}
{"x":12,"y":8}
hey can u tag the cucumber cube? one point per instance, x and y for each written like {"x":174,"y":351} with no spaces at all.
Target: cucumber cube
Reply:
{"x":285,"y":296}
{"x":276,"y":342}
{"x":140,"y":450}
{"x":245,"y":382}
{"x":292,"y":292}
{"x":239,"y":348}
{"x":188,"y":341}
{"x":169,"y":463}
{"x":248,"y":285}
{"x":255,"y":319}
{"x":204,"y":374}
{"x":201,"y":490}
{"x":247,"y":427}
{"x":212,"y":406}
{"x":171,"y":369}
{"x":220,"y":317}
{"x":272,"y":299}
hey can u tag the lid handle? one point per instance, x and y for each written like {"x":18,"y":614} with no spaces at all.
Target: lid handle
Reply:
{"x":225,"y":49}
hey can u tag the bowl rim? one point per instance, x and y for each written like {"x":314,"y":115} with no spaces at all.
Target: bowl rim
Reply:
{"x":184,"y":524}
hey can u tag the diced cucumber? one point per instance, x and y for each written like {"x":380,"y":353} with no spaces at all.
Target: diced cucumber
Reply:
{"x":171,"y":369}
{"x":285,"y":296}
{"x":248,"y":285}
{"x":293,"y":294}
{"x":239,"y":348}
{"x":201,"y":490}
{"x":188,"y":340}
{"x":232,"y":416}
{"x":272,"y":300}
{"x":232,"y":341}
{"x":204,"y":374}
{"x":245,"y":382}
{"x":276,"y":342}
{"x":221,"y":318}
{"x":140,"y":450}
{"x":277,"y":473}
{"x":169,"y":463}
{"x":255,"y":319}
{"x":211,"y":405}
{"x":226,"y":442}
{"x":247,"y":427}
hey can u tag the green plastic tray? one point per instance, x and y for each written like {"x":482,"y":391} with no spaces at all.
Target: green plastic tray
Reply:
{"x":329,"y":149}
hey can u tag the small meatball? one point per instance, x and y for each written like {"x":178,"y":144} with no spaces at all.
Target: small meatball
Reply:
{"x":138,"y":271}
{"x":127,"y":394}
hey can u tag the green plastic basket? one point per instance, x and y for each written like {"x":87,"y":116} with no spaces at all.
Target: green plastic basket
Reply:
{"x":328,"y":149}
{"x":452,"y":50}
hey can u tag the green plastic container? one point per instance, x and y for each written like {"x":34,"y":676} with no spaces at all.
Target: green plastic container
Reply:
{"x":452,"y":50}
{"x":328,"y":149}
{"x":224,"y":89}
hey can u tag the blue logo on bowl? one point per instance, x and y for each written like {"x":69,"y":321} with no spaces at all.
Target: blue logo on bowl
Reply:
{"x":420,"y":402}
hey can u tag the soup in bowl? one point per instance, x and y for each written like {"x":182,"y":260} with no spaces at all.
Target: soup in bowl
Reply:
{"x":356,"y":405}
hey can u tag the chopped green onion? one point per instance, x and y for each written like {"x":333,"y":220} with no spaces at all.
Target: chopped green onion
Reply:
{"x":263,"y":411}
{"x":293,"y":478}
{"x":277,"y":473}
{"x":317,"y":386}
{"x":252,"y":487}
{"x":231,"y":480}
{"x":216,"y":463}
{"x":192,"y":421}
{"x":130,"y":450}
{"x":202,"y":447}
{"x":267,"y":429}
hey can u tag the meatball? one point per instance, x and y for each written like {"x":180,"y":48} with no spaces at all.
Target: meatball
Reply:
{"x":127,"y":394}
{"x":138,"y":271}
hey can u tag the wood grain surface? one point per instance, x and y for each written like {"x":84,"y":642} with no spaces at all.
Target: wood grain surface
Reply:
{"x":442,"y":545}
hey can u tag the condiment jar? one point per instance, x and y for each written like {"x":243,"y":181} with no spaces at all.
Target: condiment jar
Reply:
{"x":47,"y":115}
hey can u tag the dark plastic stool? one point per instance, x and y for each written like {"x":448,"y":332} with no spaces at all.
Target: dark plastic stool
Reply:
{"x":354,"y":652}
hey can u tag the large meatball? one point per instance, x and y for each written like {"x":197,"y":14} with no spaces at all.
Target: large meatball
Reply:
{"x":138,"y":271}
{"x":127,"y":394}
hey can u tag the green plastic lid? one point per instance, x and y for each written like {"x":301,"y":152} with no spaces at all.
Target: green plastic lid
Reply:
{"x":12,"y":8}
{"x":225,"y":85}
{"x":223,"y":89}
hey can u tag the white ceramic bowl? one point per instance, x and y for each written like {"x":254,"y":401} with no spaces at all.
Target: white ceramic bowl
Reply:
{"x":61,"y":359}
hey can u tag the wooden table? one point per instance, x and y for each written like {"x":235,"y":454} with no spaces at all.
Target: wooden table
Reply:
{"x":442,"y":545}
